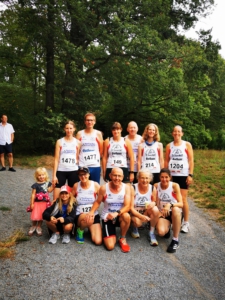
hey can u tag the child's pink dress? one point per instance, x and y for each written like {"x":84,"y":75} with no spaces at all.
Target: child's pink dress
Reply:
{"x":41,"y":200}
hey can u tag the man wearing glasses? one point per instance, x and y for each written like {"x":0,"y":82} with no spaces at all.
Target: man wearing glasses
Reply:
{"x":91,"y":147}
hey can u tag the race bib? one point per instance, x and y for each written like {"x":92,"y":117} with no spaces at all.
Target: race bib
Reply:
{"x":150,"y":165}
{"x":67,"y":161}
{"x":90,"y":158}
{"x":85,"y":208}
{"x":118,"y":161}
{"x":176,"y":166}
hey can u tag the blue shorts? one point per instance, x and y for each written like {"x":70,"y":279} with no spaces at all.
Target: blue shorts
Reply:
{"x":7,"y":148}
{"x":95,"y":173}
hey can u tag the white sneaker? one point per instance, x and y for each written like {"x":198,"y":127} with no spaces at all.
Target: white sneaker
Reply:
{"x":53,"y":238}
{"x":66,"y":238}
{"x":185,"y":228}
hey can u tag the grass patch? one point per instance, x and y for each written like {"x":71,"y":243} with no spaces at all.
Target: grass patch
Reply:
{"x":34,"y":161}
{"x":5,"y":246}
{"x":208,"y":187}
{"x":5,"y":208}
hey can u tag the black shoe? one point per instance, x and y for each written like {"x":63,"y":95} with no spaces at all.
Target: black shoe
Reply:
{"x":167,"y":235}
{"x":174,"y":245}
{"x":3,"y":169}
{"x":12,"y":170}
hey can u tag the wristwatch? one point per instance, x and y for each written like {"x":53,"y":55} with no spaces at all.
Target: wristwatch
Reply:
{"x":171,"y":205}
{"x":119,"y":212}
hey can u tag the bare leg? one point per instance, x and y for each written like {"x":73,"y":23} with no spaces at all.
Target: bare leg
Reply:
{"x":3,"y":160}
{"x":10,"y":157}
{"x":51,"y":226}
{"x":56,"y":193}
{"x":96,"y":233}
{"x":136,"y":222}
{"x":184,"y":194}
{"x":110,"y":242}
{"x":124,"y":223}
{"x":176,"y":221}
{"x":68,"y":228}
{"x":162,"y":226}
{"x":154,"y":215}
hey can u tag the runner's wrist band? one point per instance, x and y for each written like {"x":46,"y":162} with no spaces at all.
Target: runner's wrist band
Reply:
{"x":191,"y":175}
{"x":131,"y":172}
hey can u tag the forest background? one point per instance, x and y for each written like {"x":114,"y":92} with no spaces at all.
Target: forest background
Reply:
{"x":123,"y":60}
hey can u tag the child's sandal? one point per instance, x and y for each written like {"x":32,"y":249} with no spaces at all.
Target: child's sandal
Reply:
{"x":31,"y":230}
{"x":39,"y":231}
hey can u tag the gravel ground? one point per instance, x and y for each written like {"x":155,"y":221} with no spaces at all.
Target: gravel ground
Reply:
{"x":43,"y":271}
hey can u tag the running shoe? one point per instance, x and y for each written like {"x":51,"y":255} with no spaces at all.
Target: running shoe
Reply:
{"x":12,"y":169}
{"x":134,"y":233}
{"x":79,"y":236}
{"x":53,"y":239}
{"x":185,"y":227}
{"x":174,"y":245}
{"x":123,"y":245}
{"x":3,"y":169}
{"x":66,"y":238}
{"x":153,"y":241}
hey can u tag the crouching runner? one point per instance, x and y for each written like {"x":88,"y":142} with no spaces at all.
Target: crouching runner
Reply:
{"x":116,"y":198}
{"x":86,"y":192}
{"x":143,"y":205}
{"x":60,"y":216}
{"x":169,"y":201}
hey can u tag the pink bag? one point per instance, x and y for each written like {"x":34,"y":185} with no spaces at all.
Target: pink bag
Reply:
{"x":29,"y":209}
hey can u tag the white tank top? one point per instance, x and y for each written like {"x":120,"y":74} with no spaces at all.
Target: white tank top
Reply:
{"x":117,"y":154}
{"x":68,"y":156}
{"x":134,"y":143}
{"x":113,"y":202}
{"x":178,"y":164}
{"x":89,"y":153}
{"x":140,"y":200}
{"x":150,"y":157}
{"x":165,"y":196}
{"x":85,"y":198}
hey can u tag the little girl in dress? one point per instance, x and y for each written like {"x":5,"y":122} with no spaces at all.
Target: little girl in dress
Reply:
{"x":39,"y":200}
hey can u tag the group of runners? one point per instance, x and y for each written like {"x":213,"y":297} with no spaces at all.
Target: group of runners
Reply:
{"x":138,"y":186}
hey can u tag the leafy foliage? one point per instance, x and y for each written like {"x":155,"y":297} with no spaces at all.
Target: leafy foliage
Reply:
{"x":123,"y":60}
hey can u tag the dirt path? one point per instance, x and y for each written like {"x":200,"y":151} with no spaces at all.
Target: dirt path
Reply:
{"x":44,"y":271}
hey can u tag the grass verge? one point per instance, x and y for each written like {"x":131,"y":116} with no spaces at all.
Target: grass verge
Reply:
{"x":208,"y":190}
{"x":6,"y":250}
{"x":34,"y":161}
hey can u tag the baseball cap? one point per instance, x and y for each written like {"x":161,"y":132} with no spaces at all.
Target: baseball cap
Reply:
{"x":65,"y":188}
{"x":84,"y":169}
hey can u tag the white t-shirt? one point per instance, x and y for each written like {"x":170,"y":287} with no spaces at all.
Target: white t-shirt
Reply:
{"x":5,"y":133}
